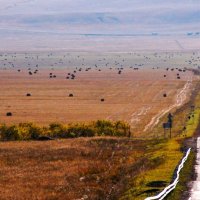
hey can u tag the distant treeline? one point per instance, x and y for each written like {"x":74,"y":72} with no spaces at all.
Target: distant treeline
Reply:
{"x":30,"y":131}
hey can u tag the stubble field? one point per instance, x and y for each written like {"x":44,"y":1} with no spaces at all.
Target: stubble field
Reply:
{"x":135,"y":87}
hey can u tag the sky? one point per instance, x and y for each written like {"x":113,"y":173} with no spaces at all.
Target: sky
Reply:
{"x":100,"y":16}
{"x":37,"y":20}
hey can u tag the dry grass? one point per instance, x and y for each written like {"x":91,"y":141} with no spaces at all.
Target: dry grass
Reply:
{"x":98,"y":168}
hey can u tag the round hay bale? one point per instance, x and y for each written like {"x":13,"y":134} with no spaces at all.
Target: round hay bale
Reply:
{"x":71,"y":95}
{"x":102,"y":100}
{"x":28,"y":95}
{"x":8,"y":114}
{"x":164,"y":95}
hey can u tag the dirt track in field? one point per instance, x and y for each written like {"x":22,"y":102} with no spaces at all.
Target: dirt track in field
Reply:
{"x":180,"y":99}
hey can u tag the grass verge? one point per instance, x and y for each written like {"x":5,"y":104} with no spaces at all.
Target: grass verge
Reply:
{"x":181,"y":191}
{"x":165,"y":154}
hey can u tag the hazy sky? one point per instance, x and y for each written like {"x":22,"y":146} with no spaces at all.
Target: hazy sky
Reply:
{"x":43,"y":23}
{"x":101,"y":16}
{"x":46,"y":6}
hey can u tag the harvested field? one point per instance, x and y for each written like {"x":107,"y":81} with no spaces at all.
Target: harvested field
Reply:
{"x":134,"y":95}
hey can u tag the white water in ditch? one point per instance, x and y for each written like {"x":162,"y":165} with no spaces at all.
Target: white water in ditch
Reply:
{"x":195,"y":191}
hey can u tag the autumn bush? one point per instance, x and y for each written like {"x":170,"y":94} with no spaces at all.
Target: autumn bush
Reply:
{"x":30,"y":131}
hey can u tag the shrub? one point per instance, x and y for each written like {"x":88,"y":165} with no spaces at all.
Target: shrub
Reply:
{"x":57,"y":130}
{"x":103,"y":123}
{"x":118,"y":128}
{"x":108,"y":131}
{"x":80,"y":130}
{"x":35,"y":132}
{"x":10,"y":133}
{"x":32,"y":131}
{"x":122,"y":128}
{"x":27,"y":131}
